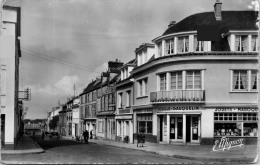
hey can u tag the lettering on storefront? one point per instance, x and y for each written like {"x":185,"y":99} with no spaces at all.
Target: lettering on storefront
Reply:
{"x":145,"y":110}
{"x":178,"y":108}
{"x":236,"y":109}
{"x":226,"y":144}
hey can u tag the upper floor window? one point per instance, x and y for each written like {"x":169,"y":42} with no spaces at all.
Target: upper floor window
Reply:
{"x":198,"y":45}
{"x":241,"y":43}
{"x":254,"y":43}
{"x":159,"y":49}
{"x":193,"y":79}
{"x":162,"y":82}
{"x":142,"y":87}
{"x":128,"y":93}
{"x":169,"y":47}
{"x":244,"y":80}
{"x":176,"y":80}
{"x":183,"y":44}
{"x":120,"y":100}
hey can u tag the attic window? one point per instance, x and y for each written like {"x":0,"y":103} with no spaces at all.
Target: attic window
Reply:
{"x":254,"y":45}
{"x":183,"y":44}
{"x":241,"y":43}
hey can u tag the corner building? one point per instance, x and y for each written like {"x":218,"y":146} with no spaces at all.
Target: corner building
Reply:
{"x":193,"y":91}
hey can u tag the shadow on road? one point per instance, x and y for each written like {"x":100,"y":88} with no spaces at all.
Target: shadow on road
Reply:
{"x":48,"y":143}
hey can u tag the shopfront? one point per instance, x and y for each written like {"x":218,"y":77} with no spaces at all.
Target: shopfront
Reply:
{"x":124,"y":131}
{"x":236,"y":123}
{"x":91,"y":127}
{"x":179,"y":124}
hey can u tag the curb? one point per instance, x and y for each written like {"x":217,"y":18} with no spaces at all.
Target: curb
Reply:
{"x":21,"y":152}
{"x":223,"y":160}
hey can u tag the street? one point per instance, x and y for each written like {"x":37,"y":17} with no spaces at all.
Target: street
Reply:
{"x":63,"y":151}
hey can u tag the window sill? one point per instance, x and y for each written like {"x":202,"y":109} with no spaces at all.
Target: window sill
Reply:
{"x":140,"y":97}
{"x":243,"y":91}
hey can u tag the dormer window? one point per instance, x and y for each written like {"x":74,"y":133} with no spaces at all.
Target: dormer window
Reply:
{"x":169,"y":49}
{"x":241,"y":43}
{"x":159,"y":49}
{"x":198,"y":45}
{"x":254,"y":45}
{"x":183,"y":44}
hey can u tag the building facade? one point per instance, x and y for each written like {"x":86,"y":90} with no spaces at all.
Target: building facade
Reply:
{"x":75,"y":117}
{"x":106,"y":101}
{"x":197,"y":90}
{"x":124,"y":112}
{"x":9,"y":62}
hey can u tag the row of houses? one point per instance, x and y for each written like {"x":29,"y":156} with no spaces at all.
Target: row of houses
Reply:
{"x":182,"y":88}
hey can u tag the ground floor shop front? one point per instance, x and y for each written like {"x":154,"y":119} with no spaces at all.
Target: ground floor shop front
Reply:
{"x":91,"y":127}
{"x":124,"y":128}
{"x":196,"y":124}
{"x":106,"y":127}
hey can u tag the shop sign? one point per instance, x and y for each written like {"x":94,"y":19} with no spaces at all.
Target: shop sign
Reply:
{"x":247,"y":109}
{"x":145,"y":110}
{"x":226,"y":144}
{"x":123,"y":117}
{"x":167,"y":108}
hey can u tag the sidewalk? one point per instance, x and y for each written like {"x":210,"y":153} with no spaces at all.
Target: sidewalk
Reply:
{"x":193,"y":152}
{"x":25,"y":145}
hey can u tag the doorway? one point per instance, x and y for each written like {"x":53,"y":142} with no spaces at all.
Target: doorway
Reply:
{"x":192,"y":129}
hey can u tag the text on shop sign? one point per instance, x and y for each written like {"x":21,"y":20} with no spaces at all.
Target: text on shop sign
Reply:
{"x":236,"y":110}
{"x":178,"y":108}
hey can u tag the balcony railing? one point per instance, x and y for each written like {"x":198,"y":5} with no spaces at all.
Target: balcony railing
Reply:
{"x":178,"y":96}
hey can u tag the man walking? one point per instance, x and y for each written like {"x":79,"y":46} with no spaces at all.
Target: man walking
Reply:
{"x":85,"y":134}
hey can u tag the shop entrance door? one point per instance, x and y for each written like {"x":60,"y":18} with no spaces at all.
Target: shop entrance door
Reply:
{"x":176,"y":131}
{"x":195,"y":129}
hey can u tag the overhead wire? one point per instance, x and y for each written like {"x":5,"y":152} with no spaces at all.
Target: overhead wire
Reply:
{"x":56,"y":60}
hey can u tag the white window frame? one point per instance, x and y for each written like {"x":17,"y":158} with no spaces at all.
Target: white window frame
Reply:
{"x":128,"y":93}
{"x":256,"y":43}
{"x":201,"y":45}
{"x":165,"y":81}
{"x":177,"y":76}
{"x":169,"y":46}
{"x":248,"y":81}
{"x":240,"y":43}
{"x":142,"y":87}
{"x":193,"y":80}
{"x":183,"y":39}
{"x":159,"y":49}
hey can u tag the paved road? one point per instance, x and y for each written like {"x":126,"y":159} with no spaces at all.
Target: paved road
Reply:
{"x":72,"y":152}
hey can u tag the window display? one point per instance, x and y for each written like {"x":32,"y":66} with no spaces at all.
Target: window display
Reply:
{"x":235,"y":124}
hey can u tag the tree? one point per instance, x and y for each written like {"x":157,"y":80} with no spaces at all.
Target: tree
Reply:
{"x":54,"y":122}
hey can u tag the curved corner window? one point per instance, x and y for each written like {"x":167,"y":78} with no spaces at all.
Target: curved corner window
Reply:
{"x":198,"y":45}
{"x":183,"y":44}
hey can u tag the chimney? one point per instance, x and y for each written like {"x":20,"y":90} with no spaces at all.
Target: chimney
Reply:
{"x":217,"y":10}
{"x":172,"y":23}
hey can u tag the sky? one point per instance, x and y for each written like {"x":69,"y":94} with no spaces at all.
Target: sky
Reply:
{"x":66,"y":42}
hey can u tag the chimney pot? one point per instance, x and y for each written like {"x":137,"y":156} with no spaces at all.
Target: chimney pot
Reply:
{"x":172,"y":23}
{"x":217,"y":10}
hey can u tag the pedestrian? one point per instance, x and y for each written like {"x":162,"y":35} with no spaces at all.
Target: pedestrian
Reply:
{"x":42,"y":135}
{"x":91,"y":134}
{"x":85,"y":134}
{"x":142,"y":137}
{"x":138,"y":138}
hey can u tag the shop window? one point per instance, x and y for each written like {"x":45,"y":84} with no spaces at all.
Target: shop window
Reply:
{"x":250,"y":129}
{"x":227,"y":129}
{"x":145,"y":123}
{"x":233,"y":124}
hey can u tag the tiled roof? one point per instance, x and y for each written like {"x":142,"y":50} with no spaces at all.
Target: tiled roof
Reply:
{"x":231,"y":20}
